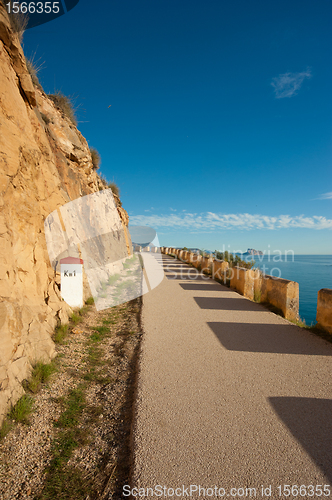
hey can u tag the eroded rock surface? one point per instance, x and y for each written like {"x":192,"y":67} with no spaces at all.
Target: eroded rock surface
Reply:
{"x":45,"y":162}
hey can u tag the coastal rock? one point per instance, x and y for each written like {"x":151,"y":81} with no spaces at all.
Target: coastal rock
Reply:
{"x":45,"y":163}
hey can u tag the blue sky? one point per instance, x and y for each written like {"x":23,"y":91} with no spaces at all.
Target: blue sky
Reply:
{"x":219,"y":128}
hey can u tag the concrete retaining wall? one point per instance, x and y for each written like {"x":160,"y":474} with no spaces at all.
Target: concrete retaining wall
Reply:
{"x":282,"y":294}
{"x":324,"y":309}
{"x":220,"y":270}
{"x":245,"y":281}
{"x":206,"y":265}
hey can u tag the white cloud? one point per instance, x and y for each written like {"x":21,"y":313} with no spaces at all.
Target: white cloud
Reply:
{"x":213,"y":221}
{"x":287,"y":84}
{"x":326,"y":196}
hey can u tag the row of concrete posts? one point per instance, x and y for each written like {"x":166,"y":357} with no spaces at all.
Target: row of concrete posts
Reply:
{"x":251,"y":283}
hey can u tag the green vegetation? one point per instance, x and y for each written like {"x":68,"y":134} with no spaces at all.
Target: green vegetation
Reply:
{"x":257,"y":296}
{"x":5,"y":428}
{"x":73,"y":428}
{"x":114,"y":188}
{"x":233,"y":260}
{"x":95,"y":158}
{"x":40,"y":375}
{"x":60,"y":334}
{"x":74,"y":405}
{"x":18,"y":22}
{"x":33,"y":69}
{"x":20,"y":412}
{"x":75,"y":318}
{"x":65,"y":104}
{"x":61,"y":331}
{"x":63,"y":481}
{"x":22,"y":409}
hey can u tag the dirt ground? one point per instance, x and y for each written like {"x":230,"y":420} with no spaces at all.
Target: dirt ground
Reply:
{"x":76,"y":443}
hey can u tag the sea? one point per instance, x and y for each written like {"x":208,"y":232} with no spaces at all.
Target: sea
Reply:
{"x":312,"y":272}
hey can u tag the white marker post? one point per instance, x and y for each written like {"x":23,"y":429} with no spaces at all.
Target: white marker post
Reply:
{"x":72,"y":281}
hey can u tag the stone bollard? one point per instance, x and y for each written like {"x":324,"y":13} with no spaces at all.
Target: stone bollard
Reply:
{"x":196,"y":260}
{"x":206,"y":265}
{"x":283,"y":294}
{"x":243,"y":281}
{"x":220,"y":270}
{"x":324,"y":309}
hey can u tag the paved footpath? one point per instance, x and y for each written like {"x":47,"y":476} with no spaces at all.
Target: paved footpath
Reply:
{"x":230,"y":395}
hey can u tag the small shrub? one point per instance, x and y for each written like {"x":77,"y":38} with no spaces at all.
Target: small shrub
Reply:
{"x":257,"y":296}
{"x":75,"y":318}
{"x":114,"y":188}
{"x":60,"y":333}
{"x":95,"y":158}
{"x":90,"y":301}
{"x":18,"y":22}
{"x":218,"y":255}
{"x":104,"y":182}
{"x":40,"y":375}
{"x":22,"y":409}
{"x":33,"y":69}
{"x":83,"y":311}
{"x":5,"y":428}
{"x":65,"y":104}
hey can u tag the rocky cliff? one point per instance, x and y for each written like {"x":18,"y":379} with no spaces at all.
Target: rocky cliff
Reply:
{"x":45,"y":163}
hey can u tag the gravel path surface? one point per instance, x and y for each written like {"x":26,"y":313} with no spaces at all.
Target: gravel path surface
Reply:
{"x":230,"y":395}
{"x":101,"y":460}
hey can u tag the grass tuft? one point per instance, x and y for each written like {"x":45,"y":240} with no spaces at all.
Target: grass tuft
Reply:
{"x":115,"y":189}
{"x":83,"y":311}
{"x":65,"y":104}
{"x":95,"y":158}
{"x":60,"y":334}
{"x":90,"y":301}
{"x":5,"y":428}
{"x":34,"y":68}
{"x":75,"y":318}
{"x":40,"y":375}
{"x":74,"y":404}
{"x":18,"y":22}
{"x":21,"y":410}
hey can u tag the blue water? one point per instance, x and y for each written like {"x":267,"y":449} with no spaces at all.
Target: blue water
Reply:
{"x":312,"y":272}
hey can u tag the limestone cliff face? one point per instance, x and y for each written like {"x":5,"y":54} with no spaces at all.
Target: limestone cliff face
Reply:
{"x":45,"y":162}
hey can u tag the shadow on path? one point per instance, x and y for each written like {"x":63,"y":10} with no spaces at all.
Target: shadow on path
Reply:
{"x":227,"y":304}
{"x":176,"y":275}
{"x":208,"y":286}
{"x":310,"y":422}
{"x":268,"y":338}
